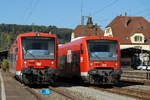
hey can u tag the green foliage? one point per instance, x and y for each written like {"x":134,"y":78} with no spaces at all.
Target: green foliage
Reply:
{"x":9,"y":32}
{"x":5,"y":65}
{"x":4,"y":40}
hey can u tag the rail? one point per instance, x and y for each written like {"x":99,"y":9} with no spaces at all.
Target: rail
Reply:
{"x":137,"y":74}
{"x":140,"y":95}
{"x":64,"y":92}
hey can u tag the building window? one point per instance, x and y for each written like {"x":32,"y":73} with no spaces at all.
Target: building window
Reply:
{"x":138,"y":38}
{"x":108,"y":30}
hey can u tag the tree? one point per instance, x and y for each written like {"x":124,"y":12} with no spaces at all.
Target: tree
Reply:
{"x":9,"y":32}
{"x":5,"y":65}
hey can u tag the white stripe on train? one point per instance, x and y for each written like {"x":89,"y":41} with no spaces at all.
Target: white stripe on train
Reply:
{"x":84,"y":73}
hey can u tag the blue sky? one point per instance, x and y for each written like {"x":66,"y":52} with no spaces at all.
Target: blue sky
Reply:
{"x":67,"y":13}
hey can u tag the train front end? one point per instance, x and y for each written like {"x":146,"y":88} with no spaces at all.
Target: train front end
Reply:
{"x":38,"y":58}
{"x":103,"y":61}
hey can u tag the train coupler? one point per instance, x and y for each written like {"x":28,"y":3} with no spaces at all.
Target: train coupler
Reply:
{"x":101,"y":76}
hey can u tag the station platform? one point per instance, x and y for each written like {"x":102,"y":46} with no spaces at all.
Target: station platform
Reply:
{"x":10,"y":89}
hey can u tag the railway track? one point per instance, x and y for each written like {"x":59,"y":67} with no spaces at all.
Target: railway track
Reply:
{"x":58,"y":90}
{"x":67,"y":95}
{"x":64,"y":92}
{"x":129,"y":92}
{"x":35,"y":91}
{"x":135,"y":80}
{"x":126,"y":91}
{"x":137,"y":76}
{"x":36,"y":95}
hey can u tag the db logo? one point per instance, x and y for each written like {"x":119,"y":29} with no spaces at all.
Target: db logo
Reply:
{"x":104,"y":65}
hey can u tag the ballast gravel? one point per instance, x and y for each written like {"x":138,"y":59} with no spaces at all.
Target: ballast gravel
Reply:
{"x":85,"y":93}
{"x":94,"y":94}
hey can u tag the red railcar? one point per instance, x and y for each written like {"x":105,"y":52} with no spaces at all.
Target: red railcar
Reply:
{"x":95,"y":60}
{"x":33,"y":58}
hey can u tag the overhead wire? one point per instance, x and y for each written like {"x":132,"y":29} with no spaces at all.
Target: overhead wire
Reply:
{"x":27,"y":10}
{"x":102,"y":9}
{"x":31,"y":9}
{"x":142,"y":11}
{"x":106,"y":6}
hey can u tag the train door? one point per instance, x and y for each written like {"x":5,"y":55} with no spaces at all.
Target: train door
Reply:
{"x":69,"y":60}
{"x":81,"y":58}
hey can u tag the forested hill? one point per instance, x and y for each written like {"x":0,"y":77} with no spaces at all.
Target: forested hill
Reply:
{"x":8,"y":33}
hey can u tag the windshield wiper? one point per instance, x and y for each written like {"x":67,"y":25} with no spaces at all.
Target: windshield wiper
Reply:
{"x":30,"y":54}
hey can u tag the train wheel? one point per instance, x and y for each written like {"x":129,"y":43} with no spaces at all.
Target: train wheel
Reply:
{"x":53,"y":81}
{"x":25,"y":80}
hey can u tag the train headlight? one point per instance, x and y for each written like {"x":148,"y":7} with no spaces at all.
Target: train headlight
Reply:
{"x":116,"y":64}
{"x":52,"y":63}
{"x":25,"y":63}
{"x":91,"y":64}
{"x":37,"y":34}
{"x":38,"y":64}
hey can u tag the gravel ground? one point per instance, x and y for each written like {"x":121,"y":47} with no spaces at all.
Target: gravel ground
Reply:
{"x":86,"y":93}
{"x":96,"y":94}
{"x":90,"y":94}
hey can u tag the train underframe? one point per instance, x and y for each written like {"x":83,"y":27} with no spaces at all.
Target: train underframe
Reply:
{"x":103,"y":76}
{"x":38,"y":76}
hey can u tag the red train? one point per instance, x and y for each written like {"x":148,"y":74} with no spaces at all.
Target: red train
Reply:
{"x":95,"y":60}
{"x":33,"y":58}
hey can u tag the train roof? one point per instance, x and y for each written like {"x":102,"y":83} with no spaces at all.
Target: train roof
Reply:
{"x":30,"y":34}
{"x":79,"y":40}
{"x":93,"y":37}
{"x":36,"y":34}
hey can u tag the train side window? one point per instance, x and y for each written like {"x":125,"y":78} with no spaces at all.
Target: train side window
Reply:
{"x":81,"y":49}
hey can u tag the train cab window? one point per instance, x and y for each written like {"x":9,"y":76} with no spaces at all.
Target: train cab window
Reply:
{"x":38,"y":47}
{"x":102,"y":50}
{"x":81,"y":49}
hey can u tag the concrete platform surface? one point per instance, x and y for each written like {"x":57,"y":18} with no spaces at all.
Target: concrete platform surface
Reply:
{"x":12,"y":89}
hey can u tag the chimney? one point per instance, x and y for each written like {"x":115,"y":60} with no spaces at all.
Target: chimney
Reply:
{"x":96,"y":29}
{"x":89,"y":22}
{"x":125,"y":13}
{"x":125,"y":20}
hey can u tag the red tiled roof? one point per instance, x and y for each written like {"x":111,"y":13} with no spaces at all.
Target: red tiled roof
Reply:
{"x":86,"y":30}
{"x":125,"y":26}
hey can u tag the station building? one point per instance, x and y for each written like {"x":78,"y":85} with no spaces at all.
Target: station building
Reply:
{"x":134,"y":35}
